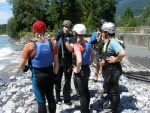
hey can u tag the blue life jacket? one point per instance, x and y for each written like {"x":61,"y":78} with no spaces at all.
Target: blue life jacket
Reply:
{"x":87,"y":54}
{"x":66,"y":51}
{"x":44,"y":56}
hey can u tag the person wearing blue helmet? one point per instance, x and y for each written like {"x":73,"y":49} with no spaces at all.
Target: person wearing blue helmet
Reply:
{"x":97,"y":42}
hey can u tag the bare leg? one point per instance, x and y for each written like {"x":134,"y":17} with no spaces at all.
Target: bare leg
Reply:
{"x":96,"y":71}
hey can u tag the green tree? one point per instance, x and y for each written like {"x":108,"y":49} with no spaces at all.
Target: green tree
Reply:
{"x":128,"y":18}
{"x":11,"y":28}
{"x":60,"y":10}
{"x":3,"y":29}
{"x":26,"y":12}
{"x":145,"y":16}
{"x":53,"y":12}
{"x":94,"y":10}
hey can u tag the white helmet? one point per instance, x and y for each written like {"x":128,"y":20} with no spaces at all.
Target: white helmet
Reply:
{"x":79,"y":29}
{"x":109,"y":27}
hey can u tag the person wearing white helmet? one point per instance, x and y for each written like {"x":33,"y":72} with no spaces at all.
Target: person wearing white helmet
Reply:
{"x":113,"y":52}
{"x":83,"y":57}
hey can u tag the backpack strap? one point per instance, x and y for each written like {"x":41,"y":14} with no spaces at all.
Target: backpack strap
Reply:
{"x":82,"y":44}
{"x":33,"y":47}
{"x":51,"y":44}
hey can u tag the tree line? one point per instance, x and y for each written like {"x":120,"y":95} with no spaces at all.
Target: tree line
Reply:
{"x":53,"y":12}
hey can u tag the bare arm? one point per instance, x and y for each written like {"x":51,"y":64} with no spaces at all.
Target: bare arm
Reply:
{"x":22,"y":63}
{"x":56,"y":64}
{"x":78,"y":63}
{"x":93,"y":55}
{"x":68,"y":46}
{"x":118,"y":58}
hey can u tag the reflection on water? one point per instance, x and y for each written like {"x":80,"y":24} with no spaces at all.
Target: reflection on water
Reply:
{"x":5,"y":42}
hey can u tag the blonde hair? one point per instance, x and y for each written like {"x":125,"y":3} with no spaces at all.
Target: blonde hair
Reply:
{"x":39,"y":35}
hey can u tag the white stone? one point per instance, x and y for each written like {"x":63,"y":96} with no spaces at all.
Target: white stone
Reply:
{"x":139,"y":97}
{"x":134,"y":92}
{"x":5,"y":99}
{"x":20,"y":110}
{"x":9,"y":93}
{"x":28,"y":102}
{"x":138,"y":89}
{"x":76,"y":111}
{"x":10,"y":105}
{"x":12,"y":78}
{"x":140,"y":104}
{"x":8,"y":111}
{"x":14,"y":96}
{"x":13,"y":90}
{"x":3,"y":94}
{"x":1,"y":110}
{"x":2,"y":84}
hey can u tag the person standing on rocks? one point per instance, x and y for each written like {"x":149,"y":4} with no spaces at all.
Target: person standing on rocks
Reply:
{"x":83,"y":56}
{"x":63,"y":40}
{"x":97,"y":41}
{"x":113,"y":52}
{"x":40,"y":54}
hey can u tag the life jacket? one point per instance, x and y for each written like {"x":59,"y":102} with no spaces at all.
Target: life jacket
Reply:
{"x":99,"y":37}
{"x":85,"y":55}
{"x":44,"y":54}
{"x":105,"y":46}
{"x":66,"y":51}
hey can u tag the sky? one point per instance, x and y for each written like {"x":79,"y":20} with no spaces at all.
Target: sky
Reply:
{"x":5,"y":11}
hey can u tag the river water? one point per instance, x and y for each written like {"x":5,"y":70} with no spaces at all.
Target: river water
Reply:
{"x":9,"y":58}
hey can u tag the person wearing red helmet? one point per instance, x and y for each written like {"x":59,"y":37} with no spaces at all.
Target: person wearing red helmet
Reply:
{"x":40,"y":54}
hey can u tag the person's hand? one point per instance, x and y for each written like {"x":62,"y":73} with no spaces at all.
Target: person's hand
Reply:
{"x":94,"y":41}
{"x":60,"y":34}
{"x":73,"y":39}
{"x":67,"y":39}
{"x":102,"y":62}
{"x":56,"y":79}
{"x":111,"y":59}
{"x":75,"y":70}
{"x":26,"y":68}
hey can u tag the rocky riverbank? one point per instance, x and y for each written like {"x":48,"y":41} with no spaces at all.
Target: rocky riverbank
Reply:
{"x":16,"y":95}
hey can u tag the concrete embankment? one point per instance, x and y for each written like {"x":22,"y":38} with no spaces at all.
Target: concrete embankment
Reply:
{"x":138,"y":39}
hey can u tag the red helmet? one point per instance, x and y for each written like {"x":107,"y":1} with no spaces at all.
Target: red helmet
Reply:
{"x":39,"y":27}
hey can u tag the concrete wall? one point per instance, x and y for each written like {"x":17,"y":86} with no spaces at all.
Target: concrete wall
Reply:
{"x":135,"y":39}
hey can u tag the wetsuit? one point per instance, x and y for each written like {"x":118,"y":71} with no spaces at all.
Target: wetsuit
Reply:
{"x":42,"y":73}
{"x":81,"y":79}
{"x":66,"y":68}
{"x":111,"y":73}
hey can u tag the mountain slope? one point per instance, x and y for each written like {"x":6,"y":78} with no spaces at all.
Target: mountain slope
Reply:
{"x":136,"y":5}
